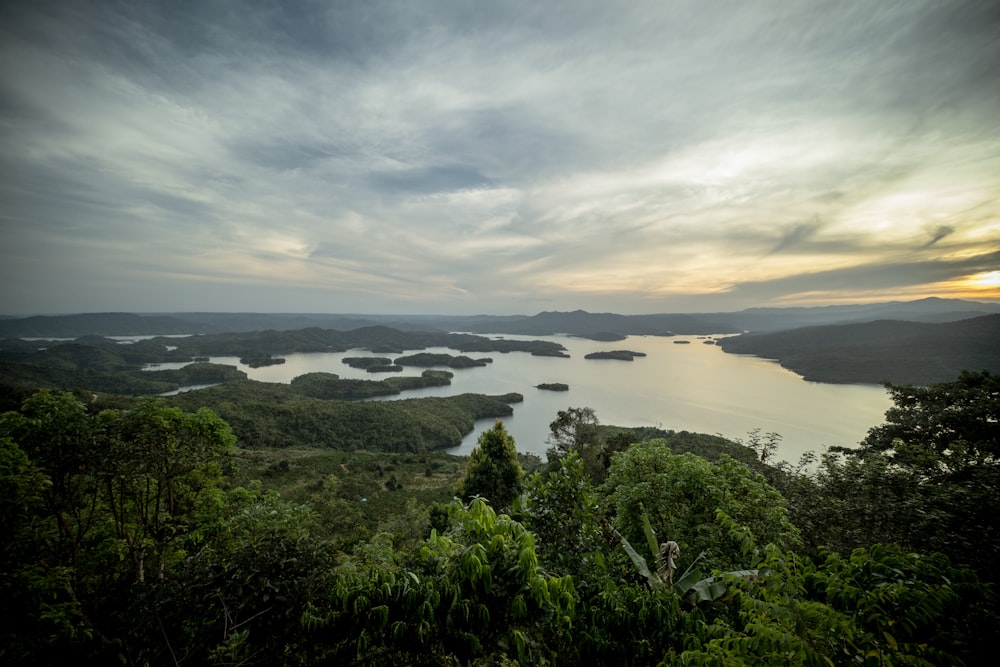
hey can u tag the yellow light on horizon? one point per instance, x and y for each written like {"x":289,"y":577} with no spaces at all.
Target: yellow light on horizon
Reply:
{"x":989,"y":280}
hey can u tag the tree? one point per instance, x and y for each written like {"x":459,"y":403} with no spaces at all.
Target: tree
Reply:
{"x":474,"y":595}
{"x":238,"y":594}
{"x":572,"y":429}
{"x":118,"y":493}
{"x":493,"y":471}
{"x":927,"y":477}
{"x":33,"y":588}
{"x":681,"y":494}
{"x":943,"y":427}
{"x":160,"y":465}
{"x":560,"y":508}
{"x":880,"y":606}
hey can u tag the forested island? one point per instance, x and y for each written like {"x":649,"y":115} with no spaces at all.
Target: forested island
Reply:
{"x":620,"y":355}
{"x":262,"y":523}
{"x":553,"y":386}
{"x":99,"y":363}
{"x":928,"y":340}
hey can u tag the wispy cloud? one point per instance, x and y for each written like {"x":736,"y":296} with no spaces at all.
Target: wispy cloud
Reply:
{"x":454,"y":157}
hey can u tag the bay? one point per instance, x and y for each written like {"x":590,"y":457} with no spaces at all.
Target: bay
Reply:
{"x":688,"y":386}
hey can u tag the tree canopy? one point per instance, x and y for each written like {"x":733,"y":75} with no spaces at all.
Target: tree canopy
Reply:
{"x":129,"y":536}
{"x":493,"y":471}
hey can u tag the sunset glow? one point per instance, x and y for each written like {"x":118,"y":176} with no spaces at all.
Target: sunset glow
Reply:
{"x":508,"y":158}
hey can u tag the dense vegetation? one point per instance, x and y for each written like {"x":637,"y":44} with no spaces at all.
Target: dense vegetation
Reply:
{"x":597,"y":326}
{"x":267,"y":415}
{"x":95,"y":353}
{"x":883,"y":351}
{"x":621,"y":355}
{"x":864,"y":349}
{"x":427,"y":359}
{"x":148,"y":533}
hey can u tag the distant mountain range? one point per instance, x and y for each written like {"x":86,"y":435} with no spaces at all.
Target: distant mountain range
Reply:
{"x":915,"y":342}
{"x":894,"y":351}
{"x":604,"y":326}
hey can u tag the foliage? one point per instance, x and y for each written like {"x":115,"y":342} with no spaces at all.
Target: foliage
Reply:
{"x":706,"y":446}
{"x":926,"y":479}
{"x":874,"y":352}
{"x":107,"y":502}
{"x":239,"y":595}
{"x":881,"y":606}
{"x":35,"y":609}
{"x":131,"y":534}
{"x":329,"y":386}
{"x":356,"y":494}
{"x":621,"y":355}
{"x":560,"y":507}
{"x":426,"y":359}
{"x":158,"y":468}
{"x":125,"y":380}
{"x":572,"y":429}
{"x":268,"y":415}
{"x":473,"y":595}
{"x":941,"y":428}
{"x":493,"y":471}
{"x":682,"y":492}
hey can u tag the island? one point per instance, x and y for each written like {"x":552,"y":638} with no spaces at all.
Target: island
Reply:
{"x":388,"y":368}
{"x":367,"y":362}
{"x":553,"y":386}
{"x":426,"y":359}
{"x":622,"y":355}
{"x":259,"y":361}
{"x":603,"y":336}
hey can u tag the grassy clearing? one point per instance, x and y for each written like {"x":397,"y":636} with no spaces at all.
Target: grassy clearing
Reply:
{"x":356,"y":494}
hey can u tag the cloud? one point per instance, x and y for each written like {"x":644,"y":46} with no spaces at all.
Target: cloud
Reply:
{"x":471,"y":157}
{"x":940,"y":233}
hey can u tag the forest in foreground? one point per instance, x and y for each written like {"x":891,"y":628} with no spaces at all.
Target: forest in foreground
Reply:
{"x":142,"y":533}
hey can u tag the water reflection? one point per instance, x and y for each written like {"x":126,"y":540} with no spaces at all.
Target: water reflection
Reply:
{"x":693,"y":387}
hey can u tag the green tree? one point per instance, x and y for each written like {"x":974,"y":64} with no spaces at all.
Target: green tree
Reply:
{"x":560,"y":507}
{"x":493,"y":471}
{"x":114,"y":497}
{"x":572,"y":430}
{"x":882,"y":606}
{"x":474,"y":595}
{"x":926,"y":478}
{"x":941,"y":428}
{"x":681,"y":494}
{"x":33,"y":584}
{"x":160,"y":465}
{"x":239,"y":593}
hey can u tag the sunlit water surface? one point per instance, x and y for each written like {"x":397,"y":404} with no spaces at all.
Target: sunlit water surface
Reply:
{"x":685,"y":387}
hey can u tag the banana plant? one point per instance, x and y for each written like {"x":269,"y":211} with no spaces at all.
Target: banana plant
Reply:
{"x":692,"y":585}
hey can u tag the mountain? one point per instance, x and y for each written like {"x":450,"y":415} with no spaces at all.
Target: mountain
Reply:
{"x":96,"y":324}
{"x":931,"y":309}
{"x":603,"y":326}
{"x":880,"y":351}
{"x":582,"y":323}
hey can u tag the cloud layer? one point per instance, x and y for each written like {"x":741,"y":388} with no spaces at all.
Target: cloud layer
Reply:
{"x":457,"y":157}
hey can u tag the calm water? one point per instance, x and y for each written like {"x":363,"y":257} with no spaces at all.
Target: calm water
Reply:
{"x":693,"y":387}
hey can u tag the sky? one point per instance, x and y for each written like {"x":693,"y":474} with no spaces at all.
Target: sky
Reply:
{"x":464,"y":157}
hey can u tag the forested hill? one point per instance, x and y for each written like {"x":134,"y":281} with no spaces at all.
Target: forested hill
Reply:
{"x":887,"y":350}
{"x":604,"y":326}
{"x":96,"y":324}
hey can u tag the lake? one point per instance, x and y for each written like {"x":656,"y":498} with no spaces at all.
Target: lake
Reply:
{"x":684,"y":387}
